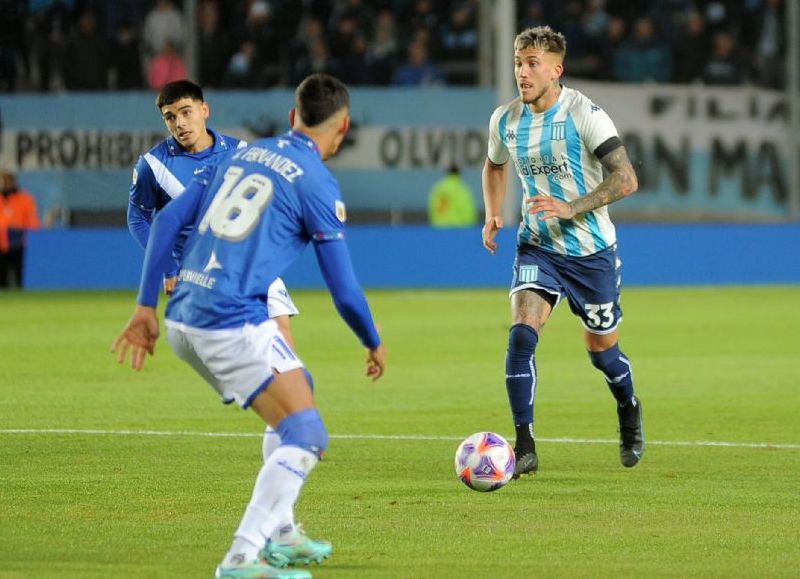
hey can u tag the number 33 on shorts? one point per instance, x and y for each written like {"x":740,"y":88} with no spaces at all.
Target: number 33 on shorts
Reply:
{"x":600,"y":316}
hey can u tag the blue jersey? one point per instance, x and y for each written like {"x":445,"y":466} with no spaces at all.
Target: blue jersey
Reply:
{"x":252,"y":216}
{"x":162,"y":174}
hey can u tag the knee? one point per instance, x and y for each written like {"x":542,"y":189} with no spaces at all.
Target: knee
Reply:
{"x":607,"y":359}
{"x":522,"y":339}
{"x":306,"y":430}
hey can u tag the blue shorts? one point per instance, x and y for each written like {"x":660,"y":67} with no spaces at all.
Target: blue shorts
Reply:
{"x":590,"y":284}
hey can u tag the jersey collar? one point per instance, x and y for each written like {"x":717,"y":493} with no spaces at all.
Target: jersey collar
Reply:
{"x":304,"y":139}
{"x":221,"y":143}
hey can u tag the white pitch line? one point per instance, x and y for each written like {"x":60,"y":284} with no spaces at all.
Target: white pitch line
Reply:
{"x":787,"y":446}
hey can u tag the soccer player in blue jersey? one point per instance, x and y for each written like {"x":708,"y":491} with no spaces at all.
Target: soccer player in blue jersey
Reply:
{"x":161,"y":175}
{"x":252,"y":215}
{"x":560,"y":142}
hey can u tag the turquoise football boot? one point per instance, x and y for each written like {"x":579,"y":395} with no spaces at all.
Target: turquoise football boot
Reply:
{"x":296,"y":549}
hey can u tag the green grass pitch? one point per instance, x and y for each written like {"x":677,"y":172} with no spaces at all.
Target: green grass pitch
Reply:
{"x":109,"y":473}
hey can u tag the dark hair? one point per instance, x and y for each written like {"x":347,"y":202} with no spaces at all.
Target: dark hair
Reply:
{"x":543,"y":38}
{"x":176,"y":90}
{"x":319,"y":97}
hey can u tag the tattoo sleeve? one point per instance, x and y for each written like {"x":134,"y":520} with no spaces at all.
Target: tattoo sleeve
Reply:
{"x":621,"y":182}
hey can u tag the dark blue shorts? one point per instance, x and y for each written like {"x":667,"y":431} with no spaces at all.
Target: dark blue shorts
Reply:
{"x":590,"y":284}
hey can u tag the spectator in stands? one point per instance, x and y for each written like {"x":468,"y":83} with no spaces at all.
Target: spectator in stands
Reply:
{"x":423,"y":16}
{"x":168,"y":66}
{"x":162,"y":24}
{"x":727,"y":65}
{"x":50,"y":24}
{"x":362,"y":13}
{"x":17,"y":216}
{"x":533,"y":13}
{"x":459,"y":36}
{"x":86,"y":56}
{"x":644,"y":57}
{"x":383,"y":50}
{"x":722,"y":15}
{"x":260,"y":30}
{"x":571,"y":15}
{"x":123,"y":14}
{"x":12,"y":44}
{"x":126,"y":62}
{"x":241,"y":71}
{"x":418,"y":70}
{"x":595,"y":20}
{"x":594,"y":23}
{"x":766,"y":30}
{"x":354,"y":67}
{"x":311,"y":52}
{"x":340,"y":38}
{"x":213,"y":45}
{"x":450,"y":201}
{"x":283,"y":53}
{"x":608,"y":47}
{"x":691,"y":48}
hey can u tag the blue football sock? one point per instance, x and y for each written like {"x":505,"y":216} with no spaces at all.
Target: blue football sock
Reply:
{"x":618,"y":372}
{"x":521,"y":372}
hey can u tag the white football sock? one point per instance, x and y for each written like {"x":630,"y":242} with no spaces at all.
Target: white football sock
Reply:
{"x":277,"y":487}
{"x":270,"y":443}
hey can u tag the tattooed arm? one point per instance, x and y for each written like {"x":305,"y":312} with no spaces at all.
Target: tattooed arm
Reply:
{"x":620,"y":183}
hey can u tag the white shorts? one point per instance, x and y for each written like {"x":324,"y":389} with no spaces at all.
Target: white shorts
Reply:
{"x":279,"y":302}
{"x":239,"y":362}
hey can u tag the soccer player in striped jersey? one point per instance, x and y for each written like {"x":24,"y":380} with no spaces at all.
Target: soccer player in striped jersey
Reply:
{"x":559,"y":143}
{"x":161,"y":175}
{"x":252,"y":216}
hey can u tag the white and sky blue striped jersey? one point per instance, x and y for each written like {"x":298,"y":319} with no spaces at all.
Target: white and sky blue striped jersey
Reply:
{"x":554,"y":154}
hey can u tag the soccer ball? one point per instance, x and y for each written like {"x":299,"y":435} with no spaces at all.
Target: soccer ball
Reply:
{"x":485,"y":461}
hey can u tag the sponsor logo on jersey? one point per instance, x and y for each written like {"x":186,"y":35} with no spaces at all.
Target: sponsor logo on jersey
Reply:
{"x":197,"y":278}
{"x":528,"y":273}
{"x":511,"y":135}
{"x":135,"y":175}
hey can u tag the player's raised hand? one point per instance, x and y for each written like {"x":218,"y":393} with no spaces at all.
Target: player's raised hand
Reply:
{"x":376,"y":362}
{"x":490,"y":230}
{"x":550,"y":208}
{"x":139,"y":337}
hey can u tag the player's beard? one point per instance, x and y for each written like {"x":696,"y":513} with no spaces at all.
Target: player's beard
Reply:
{"x":538,"y":96}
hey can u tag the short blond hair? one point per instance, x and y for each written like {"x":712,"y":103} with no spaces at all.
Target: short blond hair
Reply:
{"x":542,"y":38}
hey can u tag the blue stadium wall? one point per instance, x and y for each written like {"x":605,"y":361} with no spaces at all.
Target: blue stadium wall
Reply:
{"x":422,"y":257}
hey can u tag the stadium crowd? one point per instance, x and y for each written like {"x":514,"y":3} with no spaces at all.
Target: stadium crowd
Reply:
{"x":54,"y":45}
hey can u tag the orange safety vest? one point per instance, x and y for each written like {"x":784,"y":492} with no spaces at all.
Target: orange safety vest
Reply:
{"x":17,"y":211}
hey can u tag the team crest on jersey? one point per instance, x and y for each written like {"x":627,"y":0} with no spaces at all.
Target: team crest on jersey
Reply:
{"x":341,"y":212}
{"x":528,"y":273}
{"x":135,"y":175}
{"x":558,"y":131}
